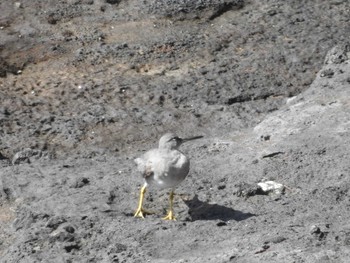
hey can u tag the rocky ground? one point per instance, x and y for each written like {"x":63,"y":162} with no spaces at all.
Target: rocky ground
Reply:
{"x":86,"y":86}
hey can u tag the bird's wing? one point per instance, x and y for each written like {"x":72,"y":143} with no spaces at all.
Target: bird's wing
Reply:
{"x":145,"y":167}
{"x":163,"y":162}
{"x":157,"y":162}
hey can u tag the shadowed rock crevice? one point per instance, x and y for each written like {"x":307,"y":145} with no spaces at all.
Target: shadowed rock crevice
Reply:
{"x":187,"y":9}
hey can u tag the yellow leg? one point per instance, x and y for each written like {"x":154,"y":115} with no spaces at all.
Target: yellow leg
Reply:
{"x":140,"y":212}
{"x":170,"y":215}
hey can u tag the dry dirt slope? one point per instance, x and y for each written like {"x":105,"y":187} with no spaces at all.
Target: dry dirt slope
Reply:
{"x":80,"y":210}
{"x":101,"y":80}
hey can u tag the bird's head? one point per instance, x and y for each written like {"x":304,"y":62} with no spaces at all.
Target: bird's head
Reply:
{"x":172,"y":141}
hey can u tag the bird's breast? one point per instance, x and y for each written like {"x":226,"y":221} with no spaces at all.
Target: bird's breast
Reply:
{"x":170,"y":169}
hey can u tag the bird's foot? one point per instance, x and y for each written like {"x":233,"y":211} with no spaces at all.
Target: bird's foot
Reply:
{"x":169,"y":216}
{"x":140,"y":212}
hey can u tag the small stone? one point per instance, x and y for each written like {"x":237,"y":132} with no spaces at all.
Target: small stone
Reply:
{"x":69,"y":247}
{"x":61,"y":236}
{"x":69,"y":229}
{"x":105,"y":208}
{"x":265,"y":137}
{"x":80,"y":182}
{"x":327,"y":73}
{"x":51,"y":19}
{"x":46,"y":128}
{"x":25,"y":155}
{"x":338,"y":54}
{"x":271,"y":187}
{"x":4,"y":111}
{"x":272,"y":12}
{"x":246,"y":190}
{"x":265,"y":246}
{"x":315,"y":230}
{"x":18,"y":5}
{"x":221,"y":186}
{"x":2,"y":157}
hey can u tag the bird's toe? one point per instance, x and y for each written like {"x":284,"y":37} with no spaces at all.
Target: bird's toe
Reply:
{"x":170,"y":216}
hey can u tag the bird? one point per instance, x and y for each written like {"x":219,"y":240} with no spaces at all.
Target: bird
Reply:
{"x":162,"y":168}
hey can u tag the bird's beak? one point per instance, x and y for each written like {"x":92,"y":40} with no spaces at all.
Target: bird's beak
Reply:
{"x":191,"y":138}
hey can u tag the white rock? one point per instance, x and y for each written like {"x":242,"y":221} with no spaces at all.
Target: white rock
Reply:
{"x":271,"y":186}
{"x":18,"y":4}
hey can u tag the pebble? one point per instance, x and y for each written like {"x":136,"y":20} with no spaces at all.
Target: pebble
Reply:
{"x":25,"y":155}
{"x":18,"y":5}
{"x":315,"y":229}
{"x":327,"y":73}
{"x":271,"y":187}
{"x":80,"y":182}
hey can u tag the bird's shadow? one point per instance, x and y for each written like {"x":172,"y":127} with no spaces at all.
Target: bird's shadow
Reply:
{"x":199,"y":210}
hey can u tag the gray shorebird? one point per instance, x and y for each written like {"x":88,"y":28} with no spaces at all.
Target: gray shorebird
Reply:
{"x":164,"y":167}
